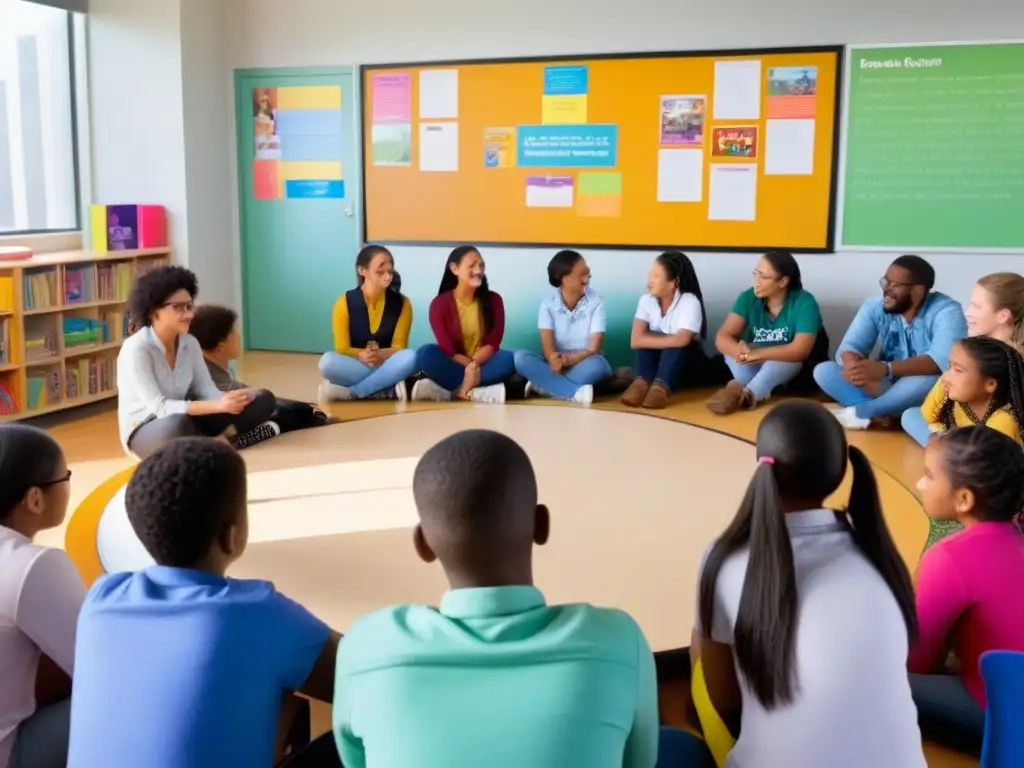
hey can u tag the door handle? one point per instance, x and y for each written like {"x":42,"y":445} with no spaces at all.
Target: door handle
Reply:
{"x":349,"y":212}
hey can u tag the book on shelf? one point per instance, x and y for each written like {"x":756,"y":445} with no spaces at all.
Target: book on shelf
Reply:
{"x":90,"y":377}
{"x":5,"y":341}
{"x":6,"y":293}
{"x":114,"y":281}
{"x":82,"y":331}
{"x":113,"y":327}
{"x":40,"y":289}
{"x":79,"y":284}
{"x":40,"y":344}
{"x":8,"y":404}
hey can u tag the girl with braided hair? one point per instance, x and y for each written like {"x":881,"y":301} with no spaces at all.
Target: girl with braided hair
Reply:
{"x":967,"y":599}
{"x":983,"y":386}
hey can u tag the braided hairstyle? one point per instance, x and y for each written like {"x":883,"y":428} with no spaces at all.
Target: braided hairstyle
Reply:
{"x":678,"y":267}
{"x":998,"y":361}
{"x":991,"y":466}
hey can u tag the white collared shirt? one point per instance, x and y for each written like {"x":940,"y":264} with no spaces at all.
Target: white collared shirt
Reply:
{"x":852,"y":707}
{"x":684,"y":314}
{"x":572,"y":328}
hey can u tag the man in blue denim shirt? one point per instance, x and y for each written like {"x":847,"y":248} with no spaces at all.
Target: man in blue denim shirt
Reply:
{"x":916,"y":328}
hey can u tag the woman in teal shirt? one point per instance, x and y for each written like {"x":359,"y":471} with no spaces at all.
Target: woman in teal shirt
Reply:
{"x":768,"y":336}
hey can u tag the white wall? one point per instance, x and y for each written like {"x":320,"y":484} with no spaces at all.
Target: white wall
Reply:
{"x":324,"y":32}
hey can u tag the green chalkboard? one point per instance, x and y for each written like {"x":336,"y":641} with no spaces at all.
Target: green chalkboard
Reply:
{"x":935,"y":147}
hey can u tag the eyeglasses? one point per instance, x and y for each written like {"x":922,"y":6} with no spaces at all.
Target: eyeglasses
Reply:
{"x":886,"y":284}
{"x":763,"y":275}
{"x":58,"y":481}
{"x":181,"y":307}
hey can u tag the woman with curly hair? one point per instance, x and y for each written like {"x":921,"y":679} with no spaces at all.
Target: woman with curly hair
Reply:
{"x":164,"y":387}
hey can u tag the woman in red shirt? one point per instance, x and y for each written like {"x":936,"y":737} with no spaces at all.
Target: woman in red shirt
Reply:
{"x":468,"y":320}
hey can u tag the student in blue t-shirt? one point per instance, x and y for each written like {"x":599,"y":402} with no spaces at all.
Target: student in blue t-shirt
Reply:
{"x":768,"y":336}
{"x":178,"y":665}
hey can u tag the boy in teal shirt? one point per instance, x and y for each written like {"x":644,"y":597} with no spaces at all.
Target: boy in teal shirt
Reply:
{"x":495,"y":677}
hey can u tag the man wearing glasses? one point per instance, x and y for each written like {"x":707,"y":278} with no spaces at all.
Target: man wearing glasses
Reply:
{"x":913,"y":327}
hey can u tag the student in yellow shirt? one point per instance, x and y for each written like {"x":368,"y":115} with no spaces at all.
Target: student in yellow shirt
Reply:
{"x":371,"y":335}
{"x":983,"y":386}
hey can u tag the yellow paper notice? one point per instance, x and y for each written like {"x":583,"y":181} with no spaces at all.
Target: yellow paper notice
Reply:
{"x":564,"y":109}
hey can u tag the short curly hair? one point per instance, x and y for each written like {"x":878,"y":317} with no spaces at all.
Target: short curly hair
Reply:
{"x":212,"y":324}
{"x":152,"y":290}
{"x":183,"y":497}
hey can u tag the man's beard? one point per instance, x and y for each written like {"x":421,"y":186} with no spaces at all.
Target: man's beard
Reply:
{"x":899,"y":308}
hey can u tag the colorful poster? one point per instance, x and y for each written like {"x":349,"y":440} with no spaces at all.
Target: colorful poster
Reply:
{"x":571,"y":80}
{"x":264,"y":124}
{"x":600,"y":195}
{"x":265,"y":180}
{"x":734,"y":141}
{"x":122,"y":227}
{"x":549,"y":191}
{"x":392,"y":98}
{"x":499,"y":147}
{"x":682,"y":120}
{"x":564,"y":110}
{"x":792,"y":93}
{"x":391,"y":144}
{"x":567,"y":146}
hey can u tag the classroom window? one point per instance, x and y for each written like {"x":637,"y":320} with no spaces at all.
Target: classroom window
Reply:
{"x":38,"y":164}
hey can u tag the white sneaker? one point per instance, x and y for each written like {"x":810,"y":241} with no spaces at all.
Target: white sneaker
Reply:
{"x":584,"y":395}
{"x":850,"y":420}
{"x":329,"y":393}
{"x":401,"y":392}
{"x":492,"y":395}
{"x":427,"y":391}
{"x":529,"y":390}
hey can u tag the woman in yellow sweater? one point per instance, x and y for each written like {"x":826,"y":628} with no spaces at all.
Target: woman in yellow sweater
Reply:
{"x":371,"y":326}
{"x":983,"y":386}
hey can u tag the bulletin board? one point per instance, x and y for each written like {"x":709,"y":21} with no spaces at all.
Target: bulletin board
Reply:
{"x":722,"y":150}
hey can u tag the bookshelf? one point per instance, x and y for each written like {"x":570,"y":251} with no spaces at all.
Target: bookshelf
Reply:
{"x":62,"y":321}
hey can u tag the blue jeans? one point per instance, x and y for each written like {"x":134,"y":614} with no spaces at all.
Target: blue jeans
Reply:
{"x":914,"y":425}
{"x":442,"y":370}
{"x":679,"y":749}
{"x":42,"y":740}
{"x":763,"y":378}
{"x":364,"y":380}
{"x":663,"y":366}
{"x":564,"y":385}
{"x":947,"y":713}
{"x":897,"y":395}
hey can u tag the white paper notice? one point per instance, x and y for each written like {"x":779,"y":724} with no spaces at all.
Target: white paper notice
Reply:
{"x":549,"y":191}
{"x":733,"y":192}
{"x":439,"y":146}
{"x":789,"y":148}
{"x":680,"y":175}
{"x":439,"y":94}
{"x":737,"y":90}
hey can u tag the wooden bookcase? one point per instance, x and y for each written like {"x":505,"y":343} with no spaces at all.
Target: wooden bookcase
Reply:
{"x":62,"y":321}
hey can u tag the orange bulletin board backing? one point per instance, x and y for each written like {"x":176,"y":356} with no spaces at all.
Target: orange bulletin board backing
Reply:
{"x":722,"y":150}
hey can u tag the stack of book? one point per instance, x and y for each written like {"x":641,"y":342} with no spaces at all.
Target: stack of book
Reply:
{"x":40,"y":289}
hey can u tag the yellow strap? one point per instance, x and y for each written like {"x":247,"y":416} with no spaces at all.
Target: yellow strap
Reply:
{"x":716,"y":735}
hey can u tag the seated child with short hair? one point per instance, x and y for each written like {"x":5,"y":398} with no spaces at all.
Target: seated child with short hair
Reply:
{"x":215,"y":327}
{"x":495,"y":677}
{"x":179,"y":665}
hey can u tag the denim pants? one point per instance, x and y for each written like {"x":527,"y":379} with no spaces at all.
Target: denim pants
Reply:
{"x":42,"y":740}
{"x":947,"y":713}
{"x":442,"y":370}
{"x":761,"y":379}
{"x":679,"y":749}
{"x":664,"y":366}
{"x":897,"y":395}
{"x":364,"y":380}
{"x":914,"y":425}
{"x":564,"y":385}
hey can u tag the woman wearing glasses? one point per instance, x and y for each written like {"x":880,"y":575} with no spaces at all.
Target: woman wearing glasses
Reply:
{"x":164,"y":387}
{"x":41,"y":593}
{"x":769,"y":336}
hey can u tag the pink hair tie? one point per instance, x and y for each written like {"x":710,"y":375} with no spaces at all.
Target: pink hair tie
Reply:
{"x":766,"y":460}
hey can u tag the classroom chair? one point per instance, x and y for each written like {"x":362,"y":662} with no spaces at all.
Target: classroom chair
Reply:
{"x":1003,"y":673}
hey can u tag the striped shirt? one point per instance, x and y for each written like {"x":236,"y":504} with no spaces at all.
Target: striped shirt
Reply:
{"x":572,"y":328}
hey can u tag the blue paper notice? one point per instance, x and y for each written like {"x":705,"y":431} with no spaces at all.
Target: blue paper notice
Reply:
{"x":567,"y":146}
{"x":307,"y":189}
{"x":566,"y":81}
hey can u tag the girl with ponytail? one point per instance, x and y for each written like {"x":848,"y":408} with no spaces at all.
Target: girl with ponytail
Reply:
{"x":966,"y":583}
{"x":813,"y":608}
{"x":669,"y":323}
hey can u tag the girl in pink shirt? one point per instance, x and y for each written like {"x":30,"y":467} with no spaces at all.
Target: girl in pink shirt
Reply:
{"x":966,"y":601}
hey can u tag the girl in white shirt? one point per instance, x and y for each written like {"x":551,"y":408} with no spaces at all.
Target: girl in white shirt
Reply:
{"x":41,"y":593}
{"x":806,"y":613}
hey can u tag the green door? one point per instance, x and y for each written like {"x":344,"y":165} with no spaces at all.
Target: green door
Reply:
{"x":298,"y":187}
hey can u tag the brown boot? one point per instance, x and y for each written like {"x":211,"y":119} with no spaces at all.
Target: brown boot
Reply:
{"x":657,"y":398}
{"x":730,"y":399}
{"x":634,"y":395}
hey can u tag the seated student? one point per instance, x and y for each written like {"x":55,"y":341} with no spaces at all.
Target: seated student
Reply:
{"x":371,"y":326}
{"x":163,"y":385}
{"x":215,"y":328}
{"x":768,"y":336}
{"x":997,"y":309}
{"x":984,"y":385}
{"x":916,"y":327}
{"x":468,"y":320}
{"x":572,"y":325}
{"x":179,"y":665}
{"x":805,"y":613}
{"x":966,"y":583}
{"x":669,"y":323}
{"x":40,"y":596}
{"x":495,"y":676}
